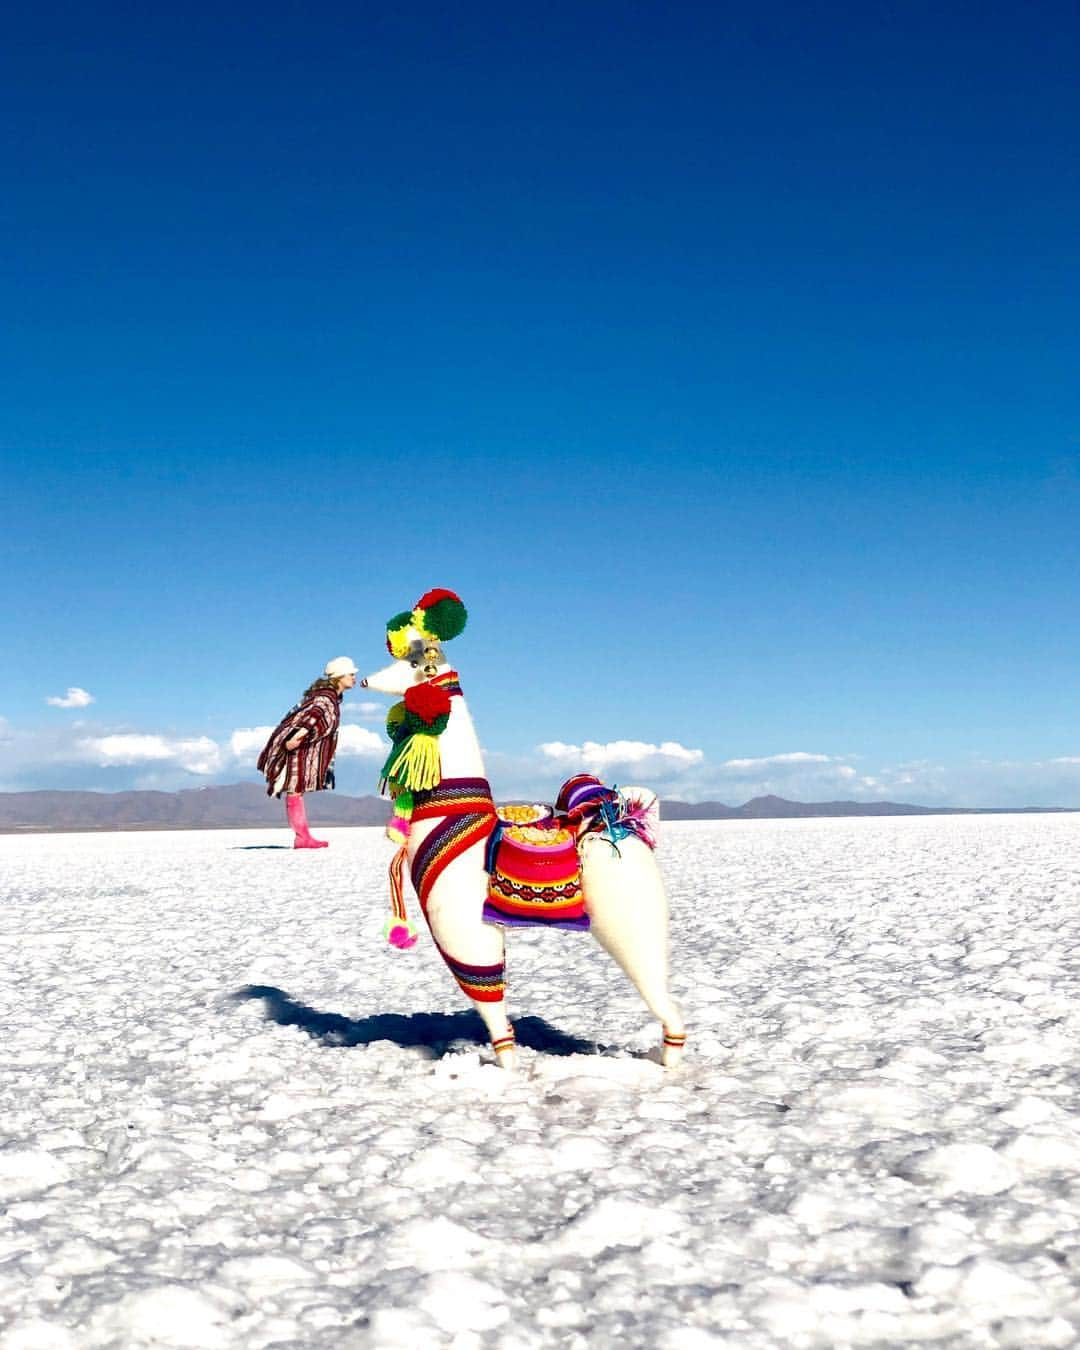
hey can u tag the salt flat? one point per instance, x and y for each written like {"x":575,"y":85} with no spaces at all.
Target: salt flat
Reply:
{"x":875,"y":1140}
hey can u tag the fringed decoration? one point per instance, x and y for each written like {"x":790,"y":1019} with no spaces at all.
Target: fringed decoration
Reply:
{"x":415,"y":762}
{"x":604,"y":811}
{"x":618,"y":817}
{"x":634,"y":819}
{"x":397,"y":930}
{"x":414,"y":726}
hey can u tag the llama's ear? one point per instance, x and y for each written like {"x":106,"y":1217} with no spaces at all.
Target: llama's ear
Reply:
{"x":441,"y":614}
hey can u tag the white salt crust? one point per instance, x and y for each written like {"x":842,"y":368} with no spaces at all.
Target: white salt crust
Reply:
{"x":874,"y":1142}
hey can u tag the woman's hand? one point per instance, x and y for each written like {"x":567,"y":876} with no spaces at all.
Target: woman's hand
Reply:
{"x":294,"y":741}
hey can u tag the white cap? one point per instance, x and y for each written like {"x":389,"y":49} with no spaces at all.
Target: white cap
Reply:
{"x":340,"y":665}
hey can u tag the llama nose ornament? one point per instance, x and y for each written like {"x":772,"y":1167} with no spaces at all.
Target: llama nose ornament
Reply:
{"x":448,"y":833}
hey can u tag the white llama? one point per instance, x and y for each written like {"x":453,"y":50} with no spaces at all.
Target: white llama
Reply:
{"x":439,"y":772}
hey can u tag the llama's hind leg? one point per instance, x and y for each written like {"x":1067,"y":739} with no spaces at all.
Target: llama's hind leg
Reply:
{"x":627,"y":904}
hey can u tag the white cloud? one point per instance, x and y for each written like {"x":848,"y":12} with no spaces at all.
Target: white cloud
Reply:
{"x":620,"y":754}
{"x":198,"y":755}
{"x":74,"y":698}
{"x":775,"y":761}
{"x":365,"y":712}
{"x":798,"y":775}
{"x":360,"y":741}
{"x":246,"y":742}
{"x":1066,"y":759}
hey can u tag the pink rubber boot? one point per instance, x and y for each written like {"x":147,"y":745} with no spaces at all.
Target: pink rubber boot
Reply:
{"x":294,"y":807}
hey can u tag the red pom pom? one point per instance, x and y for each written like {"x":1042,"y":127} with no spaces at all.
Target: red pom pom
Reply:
{"x":427,"y":701}
{"x":433,"y":597}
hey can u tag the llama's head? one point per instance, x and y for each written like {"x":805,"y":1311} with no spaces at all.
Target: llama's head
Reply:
{"x":414,"y":639}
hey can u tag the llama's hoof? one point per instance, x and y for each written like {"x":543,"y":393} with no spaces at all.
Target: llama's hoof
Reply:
{"x":311,"y":843}
{"x":672,"y":1049}
{"x":505,"y":1052}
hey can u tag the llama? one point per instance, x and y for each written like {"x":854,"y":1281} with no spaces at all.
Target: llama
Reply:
{"x":444,"y":818}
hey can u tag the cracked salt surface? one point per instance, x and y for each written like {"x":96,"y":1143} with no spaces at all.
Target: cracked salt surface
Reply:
{"x":875,"y":1140}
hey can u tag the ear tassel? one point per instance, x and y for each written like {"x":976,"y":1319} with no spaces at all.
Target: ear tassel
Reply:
{"x":397,"y":930}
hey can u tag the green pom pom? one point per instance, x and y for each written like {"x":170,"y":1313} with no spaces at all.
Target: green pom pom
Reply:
{"x":395,"y":721}
{"x":445,"y":619}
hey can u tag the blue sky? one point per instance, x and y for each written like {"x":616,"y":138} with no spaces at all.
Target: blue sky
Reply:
{"x":723,"y":358}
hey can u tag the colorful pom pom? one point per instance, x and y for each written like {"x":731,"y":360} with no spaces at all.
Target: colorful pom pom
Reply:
{"x":400,"y":933}
{"x":397,"y":635}
{"x":427,"y":702}
{"x":395,"y":721}
{"x":397,"y":830}
{"x":432,"y":597}
{"x":441,"y":614}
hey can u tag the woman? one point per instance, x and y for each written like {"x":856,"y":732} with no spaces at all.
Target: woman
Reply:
{"x":299,"y":755}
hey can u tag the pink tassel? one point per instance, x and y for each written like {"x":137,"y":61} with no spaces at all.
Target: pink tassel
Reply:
{"x":397,"y":831}
{"x":397,"y":930}
{"x":401,"y":935}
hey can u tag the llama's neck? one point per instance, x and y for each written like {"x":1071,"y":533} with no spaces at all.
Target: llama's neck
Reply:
{"x":459,"y":749}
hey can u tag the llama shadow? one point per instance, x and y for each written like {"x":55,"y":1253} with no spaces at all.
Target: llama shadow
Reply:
{"x":434,"y":1033}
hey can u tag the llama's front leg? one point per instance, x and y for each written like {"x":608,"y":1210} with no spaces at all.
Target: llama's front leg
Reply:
{"x":485,"y":985}
{"x":501,"y":1033}
{"x":474,"y":951}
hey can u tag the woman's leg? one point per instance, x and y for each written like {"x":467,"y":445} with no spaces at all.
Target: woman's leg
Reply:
{"x":294,"y":808}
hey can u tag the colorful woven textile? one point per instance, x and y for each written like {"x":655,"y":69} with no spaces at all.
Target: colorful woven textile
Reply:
{"x":591,"y":808}
{"x":449,"y":680}
{"x":535,"y":878}
{"x":307,"y":768}
{"x":467,"y":816}
{"x":485,"y":984}
{"x":580,"y":794}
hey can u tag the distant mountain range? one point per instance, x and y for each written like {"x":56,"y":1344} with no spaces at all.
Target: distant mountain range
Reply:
{"x":238,"y":806}
{"x":246,"y":806}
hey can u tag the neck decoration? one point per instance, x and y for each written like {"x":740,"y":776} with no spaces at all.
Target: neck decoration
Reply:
{"x":414,"y":765}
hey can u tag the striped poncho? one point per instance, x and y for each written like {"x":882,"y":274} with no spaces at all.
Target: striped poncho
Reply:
{"x":308,"y":767}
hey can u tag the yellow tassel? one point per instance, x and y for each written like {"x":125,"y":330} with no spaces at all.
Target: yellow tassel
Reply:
{"x":418,"y":764}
